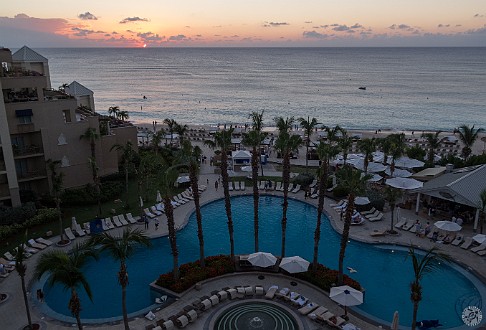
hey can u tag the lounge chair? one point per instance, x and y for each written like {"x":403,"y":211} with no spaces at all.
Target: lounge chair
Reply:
{"x":332,"y":188}
{"x":315,"y":195}
{"x":249,"y":291}
{"x":341,"y":208}
{"x":187,"y":195}
{"x":259,"y":291}
{"x":214,"y":300}
{"x":9,"y":256}
{"x":104,"y":224}
{"x":371,"y":211}
{"x":262,"y":185}
{"x":457,"y":240}
{"x":168,"y":325}
{"x":281,"y":187}
{"x":44,"y":241}
{"x":408,"y":225}
{"x":271,"y":292}
{"x":318,"y":312}
{"x":178,"y":200}
{"x":230,"y":186}
{"x":131,"y":219}
{"x":296,"y":189}
{"x":377,"y":218}
{"x":336,"y":321}
{"x":372,"y":215}
{"x":313,"y":184}
{"x":300,"y":301}
{"x":79,"y":231}
{"x":308,"y":308}
{"x":467,"y":243}
{"x":191,"y":315}
{"x":378,"y":233}
{"x":278,"y":186}
{"x":479,"y":248}
{"x":29,"y":249}
{"x":116,"y":221}
{"x":69,"y":234}
{"x":160,"y":207}
{"x":240,"y":292}
{"x":222,"y":295}
{"x":148,"y":213}
{"x":206,"y":304}
{"x":182,"y":198}
{"x":150,"y":316}
{"x":122,"y":219}
{"x":36,"y":245}
{"x":242,"y":185}
{"x":292,"y":296}
{"x":86,"y":228}
{"x":339,"y":204}
{"x":232,"y":293}
{"x":174,"y":204}
{"x":400,"y":223}
{"x":154,"y":210}
{"x":481,"y":253}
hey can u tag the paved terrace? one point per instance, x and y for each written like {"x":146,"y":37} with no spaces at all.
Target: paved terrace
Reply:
{"x":12,"y":311}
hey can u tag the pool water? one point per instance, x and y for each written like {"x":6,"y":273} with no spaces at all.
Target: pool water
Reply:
{"x":384,"y":271}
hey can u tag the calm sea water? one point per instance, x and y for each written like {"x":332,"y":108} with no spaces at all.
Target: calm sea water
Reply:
{"x":406,"y":88}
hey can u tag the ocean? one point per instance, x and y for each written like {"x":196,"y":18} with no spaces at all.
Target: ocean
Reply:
{"x":406,"y":88}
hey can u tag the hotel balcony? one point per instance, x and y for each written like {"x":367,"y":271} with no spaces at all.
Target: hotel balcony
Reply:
{"x":26,"y":128}
{"x":27,"y":151}
{"x":31,"y":176}
{"x":4,"y":192}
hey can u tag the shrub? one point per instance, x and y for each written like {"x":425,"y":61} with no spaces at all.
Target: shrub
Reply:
{"x":304,"y":179}
{"x":87,"y":195}
{"x":340,"y":192}
{"x":19,"y":214}
{"x":325,"y":278}
{"x":43,"y":216}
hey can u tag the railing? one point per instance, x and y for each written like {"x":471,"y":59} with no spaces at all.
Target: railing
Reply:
{"x":26,"y":128}
{"x":31,"y":175}
{"x":26,"y":150}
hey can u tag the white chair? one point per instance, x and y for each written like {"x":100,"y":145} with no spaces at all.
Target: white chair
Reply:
{"x":116,"y":220}
{"x":122,"y":219}
{"x":69,"y":234}
{"x":36,"y":245}
{"x":44,"y":241}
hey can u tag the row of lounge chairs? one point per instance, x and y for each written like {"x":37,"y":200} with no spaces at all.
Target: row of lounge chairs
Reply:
{"x":370,"y":215}
{"x":236,"y":185}
{"x":278,"y":186}
{"x":32,"y":247}
{"x":176,"y":201}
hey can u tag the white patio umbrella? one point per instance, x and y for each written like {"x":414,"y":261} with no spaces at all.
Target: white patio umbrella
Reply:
{"x":183,"y":179}
{"x":447,"y":225}
{"x":398,"y":173}
{"x":404,"y":183}
{"x":294,"y":264}
{"x":372,"y":167}
{"x":346,"y":296}
{"x":158,"y":199}
{"x":246,"y":168}
{"x":262,"y":259}
{"x":394,"y":325}
{"x":375,"y":177}
{"x":480,"y":238}
{"x":406,"y":162}
{"x":361,"y":200}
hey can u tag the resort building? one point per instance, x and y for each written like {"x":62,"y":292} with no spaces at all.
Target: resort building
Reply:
{"x":39,"y":123}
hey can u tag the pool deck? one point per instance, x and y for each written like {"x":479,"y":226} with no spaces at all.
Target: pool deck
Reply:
{"x":12,"y":311}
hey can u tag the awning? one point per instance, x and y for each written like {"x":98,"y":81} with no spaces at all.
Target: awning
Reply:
{"x":23,"y":113}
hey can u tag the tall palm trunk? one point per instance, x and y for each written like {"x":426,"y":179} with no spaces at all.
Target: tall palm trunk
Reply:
{"x":285,"y":205}
{"x":126,"y":183}
{"x":195,"y":195}
{"x":345,"y":236}
{"x":169,"y":212}
{"x":416,"y":297}
{"x":256,"y":195}
{"x":75,"y":307}
{"x":58,"y":208}
{"x":392,"y":207}
{"x":26,"y":300}
{"x":320,"y":208}
{"x":227,"y":200}
{"x":123,"y":280}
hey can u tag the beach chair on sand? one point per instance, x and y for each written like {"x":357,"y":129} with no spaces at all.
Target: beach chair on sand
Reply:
{"x":467,"y":243}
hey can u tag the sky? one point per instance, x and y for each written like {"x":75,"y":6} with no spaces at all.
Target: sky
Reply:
{"x":243,"y":23}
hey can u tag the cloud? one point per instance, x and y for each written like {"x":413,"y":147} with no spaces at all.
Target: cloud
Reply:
{"x":87,"y":16}
{"x":308,"y":22}
{"x":79,"y":32}
{"x":150,"y":37}
{"x":133,"y":19}
{"x":179,"y":37}
{"x":314,"y":35}
{"x":275,"y":24}
{"x":443,"y":26}
{"x":399,"y":27}
{"x":478,"y":16}
{"x":356,"y":26}
{"x":343,"y":27}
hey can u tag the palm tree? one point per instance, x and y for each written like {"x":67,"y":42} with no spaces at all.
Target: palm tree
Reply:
{"x":325,"y":151}
{"x":397,"y":148}
{"x":171,"y":125}
{"x":121,"y":249}
{"x":309,"y":125}
{"x":351,"y":180}
{"x":193,"y":155}
{"x":57,"y":179}
{"x":181,"y":131}
{"x":91,"y":135}
{"x":254,"y":139}
{"x":426,"y":264}
{"x":168,"y":179}
{"x":385,"y":146}
{"x":482,"y":196}
{"x":21,"y":269}
{"x":367,"y":147}
{"x":65,"y":269}
{"x":123,"y":115}
{"x":392,"y":195}
{"x":286,"y":144}
{"x":127,"y":157}
{"x":96,"y":181}
{"x":222,"y":139}
{"x":434,"y":142}
{"x":156,"y":139}
{"x":468,"y":135}
{"x":113,"y":111}
{"x":345,"y":142}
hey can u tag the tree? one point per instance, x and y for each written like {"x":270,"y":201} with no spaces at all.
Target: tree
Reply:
{"x":482,"y":196}
{"x":385,"y":145}
{"x":426,"y":264}
{"x":123,"y":115}
{"x":468,"y":135}
{"x":367,"y":147}
{"x":66,"y":269}
{"x":171,"y":125}
{"x":113,"y":111}
{"x":127,"y":158}
{"x":21,"y":269}
{"x":392,"y":195}
{"x":222,"y":139}
{"x":325,"y":151}
{"x":181,"y":130}
{"x":91,"y":135}
{"x":254,"y":139}
{"x":96,"y":180}
{"x":193,"y":156}
{"x":309,"y":125}
{"x":433,"y":142}
{"x":285,"y":144}
{"x":156,"y":139}
{"x":345,"y":142}
{"x":57,"y":179}
{"x":121,"y":249}
{"x":351,"y":180}
{"x":397,"y":148}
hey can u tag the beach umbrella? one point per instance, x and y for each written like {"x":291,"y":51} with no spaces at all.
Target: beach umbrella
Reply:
{"x":294,"y":264}
{"x":394,"y":325}
{"x":346,"y":296}
{"x":183,"y":179}
{"x":375,"y":177}
{"x":262,"y":259}
{"x":158,"y":199}
{"x":372,"y":167}
{"x":361,"y":200}
{"x":447,"y":225}
{"x":398,"y":173}
{"x":406,"y":162}
{"x":480,"y":238}
{"x":404,"y":183}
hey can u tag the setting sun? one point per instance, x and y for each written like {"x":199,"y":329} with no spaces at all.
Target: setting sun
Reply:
{"x":144,"y":45}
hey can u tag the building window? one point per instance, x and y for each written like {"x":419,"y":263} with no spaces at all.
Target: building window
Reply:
{"x":25,"y":120}
{"x":67,"y":116}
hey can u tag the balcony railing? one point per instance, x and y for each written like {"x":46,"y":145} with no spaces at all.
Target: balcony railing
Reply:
{"x":25,"y":176}
{"x":26,"y":128}
{"x":26,"y":150}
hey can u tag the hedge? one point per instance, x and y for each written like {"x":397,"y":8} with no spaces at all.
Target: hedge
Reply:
{"x":43,"y":216}
{"x":18,"y":215}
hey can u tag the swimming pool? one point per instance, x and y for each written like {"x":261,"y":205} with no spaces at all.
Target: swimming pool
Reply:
{"x":382,"y":270}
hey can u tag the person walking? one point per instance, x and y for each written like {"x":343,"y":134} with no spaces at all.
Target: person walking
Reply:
{"x":156,"y":224}
{"x":145,"y":220}
{"x":216,"y":185}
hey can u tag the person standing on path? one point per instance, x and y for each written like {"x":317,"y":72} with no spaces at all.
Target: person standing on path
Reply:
{"x":145,"y":220}
{"x":156,"y":224}
{"x":216,"y":185}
